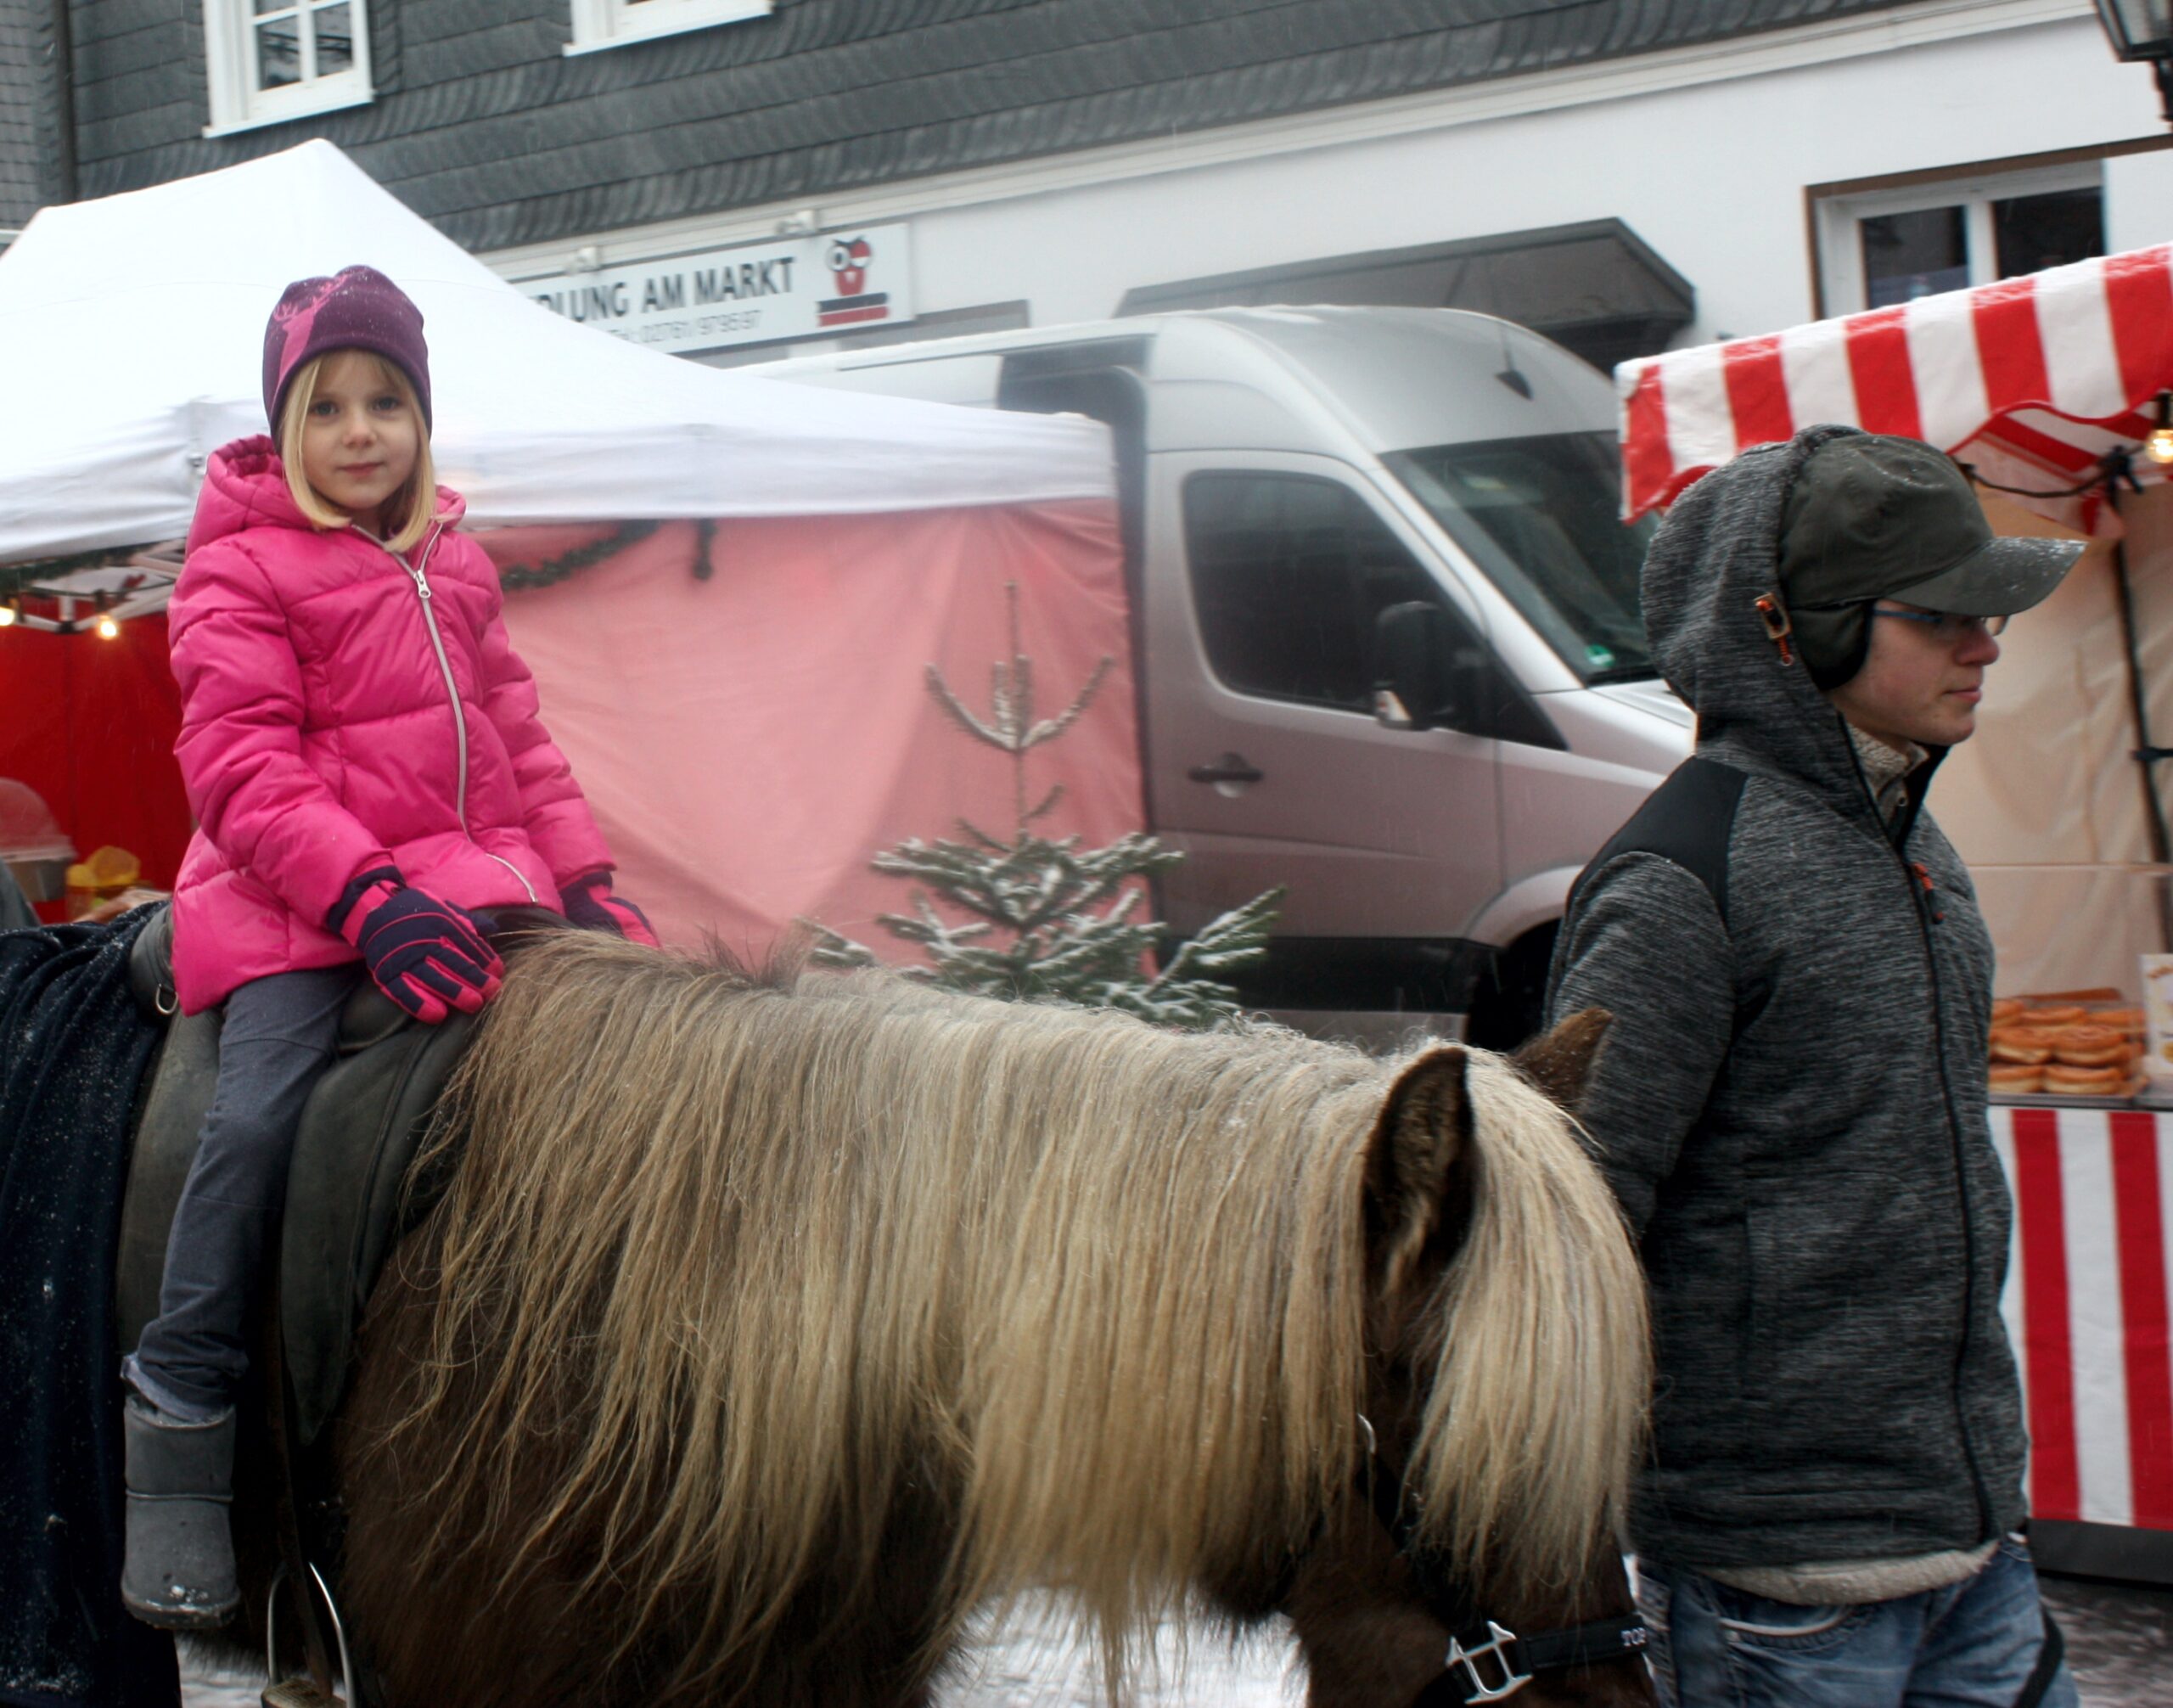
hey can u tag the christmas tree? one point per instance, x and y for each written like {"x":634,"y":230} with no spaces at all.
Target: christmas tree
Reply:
{"x":1048,"y":918}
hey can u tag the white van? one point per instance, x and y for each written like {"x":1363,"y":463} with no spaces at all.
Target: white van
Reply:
{"x":1385,"y":621}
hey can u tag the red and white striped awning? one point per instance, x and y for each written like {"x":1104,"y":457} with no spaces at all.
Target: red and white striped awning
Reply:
{"x":2030,"y":381}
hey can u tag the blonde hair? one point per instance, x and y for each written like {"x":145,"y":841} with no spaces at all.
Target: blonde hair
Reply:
{"x":409,"y":512}
{"x":739,"y":1268}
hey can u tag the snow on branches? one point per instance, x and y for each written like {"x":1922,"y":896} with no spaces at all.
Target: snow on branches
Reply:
{"x":1045,"y":917}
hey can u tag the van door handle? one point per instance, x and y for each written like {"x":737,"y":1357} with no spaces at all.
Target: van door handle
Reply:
{"x":1231,"y":767}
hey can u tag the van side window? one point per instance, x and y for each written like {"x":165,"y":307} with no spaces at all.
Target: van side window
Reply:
{"x":1288,"y":572}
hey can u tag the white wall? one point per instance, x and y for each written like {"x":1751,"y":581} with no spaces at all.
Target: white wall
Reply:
{"x":1712,"y":176}
{"x":2139,"y":200}
{"x":1706,"y":154}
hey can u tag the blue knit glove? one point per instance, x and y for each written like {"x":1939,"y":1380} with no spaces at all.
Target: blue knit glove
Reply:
{"x":590,"y":904}
{"x":424,"y":954}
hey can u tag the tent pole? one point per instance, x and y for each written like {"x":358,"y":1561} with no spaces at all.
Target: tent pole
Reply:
{"x":2147,"y":755}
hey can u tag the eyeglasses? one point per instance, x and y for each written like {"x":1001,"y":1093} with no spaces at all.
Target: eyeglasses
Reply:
{"x":1949,"y":626}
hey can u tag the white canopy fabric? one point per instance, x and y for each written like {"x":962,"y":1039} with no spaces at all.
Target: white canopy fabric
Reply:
{"x":134,"y":328}
{"x":2031,"y":380}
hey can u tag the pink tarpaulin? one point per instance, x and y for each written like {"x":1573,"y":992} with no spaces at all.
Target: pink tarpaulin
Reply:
{"x":749,"y":739}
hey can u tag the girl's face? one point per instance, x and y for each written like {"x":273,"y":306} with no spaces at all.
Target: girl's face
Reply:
{"x":359,"y":439}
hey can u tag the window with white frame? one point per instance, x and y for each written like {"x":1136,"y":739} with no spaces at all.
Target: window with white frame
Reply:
{"x":273,"y":59}
{"x":607,"y":23}
{"x":1878,"y":247}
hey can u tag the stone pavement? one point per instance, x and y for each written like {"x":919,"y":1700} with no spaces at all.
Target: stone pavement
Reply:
{"x":2119,"y":1641}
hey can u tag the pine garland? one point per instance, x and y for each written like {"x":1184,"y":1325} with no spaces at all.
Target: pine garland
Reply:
{"x":586,"y":556}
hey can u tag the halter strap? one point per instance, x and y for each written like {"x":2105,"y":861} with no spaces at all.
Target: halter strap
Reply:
{"x":1486,"y":1662}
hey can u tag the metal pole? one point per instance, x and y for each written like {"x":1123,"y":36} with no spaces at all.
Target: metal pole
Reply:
{"x":2147,"y":754}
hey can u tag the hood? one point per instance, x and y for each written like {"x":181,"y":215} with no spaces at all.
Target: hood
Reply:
{"x":1710,"y":561}
{"x":245,"y":486}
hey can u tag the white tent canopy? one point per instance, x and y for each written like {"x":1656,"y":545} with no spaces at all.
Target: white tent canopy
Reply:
{"x":134,"y":328}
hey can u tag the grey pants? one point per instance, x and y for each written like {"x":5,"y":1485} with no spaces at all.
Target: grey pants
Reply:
{"x":277,"y":1038}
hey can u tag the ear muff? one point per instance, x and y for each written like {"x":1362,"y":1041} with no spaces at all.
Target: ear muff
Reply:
{"x":1833,"y":642}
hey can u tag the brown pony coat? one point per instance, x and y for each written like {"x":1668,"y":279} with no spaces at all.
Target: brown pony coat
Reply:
{"x":769,"y":1327}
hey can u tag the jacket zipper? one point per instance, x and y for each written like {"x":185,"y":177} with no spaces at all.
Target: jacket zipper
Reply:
{"x":1923,"y":895}
{"x":452,"y":695}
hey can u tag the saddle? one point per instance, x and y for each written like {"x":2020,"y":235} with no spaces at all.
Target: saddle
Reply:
{"x":349,"y":1197}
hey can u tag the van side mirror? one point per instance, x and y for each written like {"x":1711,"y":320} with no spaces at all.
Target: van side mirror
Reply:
{"x":1414,"y":645}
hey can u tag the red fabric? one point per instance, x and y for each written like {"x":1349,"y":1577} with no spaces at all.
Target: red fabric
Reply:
{"x":2139,"y":300}
{"x":1758,"y":389}
{"x":2010,"y":348}
{"x":319,"y":738}
{"x":1648,"y":466}
{"x":2053,"y":454}
{"x":2055,"y":1469}
{"x":2139,"y":1214}
{"x":751,"y":738}
{"x":1879,"y":362}
{"x":90,"y":725}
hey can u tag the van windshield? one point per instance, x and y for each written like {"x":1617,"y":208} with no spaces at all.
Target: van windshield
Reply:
{"x":1539,"y":517}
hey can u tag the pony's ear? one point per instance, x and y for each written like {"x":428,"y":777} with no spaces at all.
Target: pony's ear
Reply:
{"x":1424,"y":1125}
{"x":1560,"y":1062}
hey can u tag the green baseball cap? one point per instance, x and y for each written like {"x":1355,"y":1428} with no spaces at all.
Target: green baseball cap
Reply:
{"x":1873,"y":516}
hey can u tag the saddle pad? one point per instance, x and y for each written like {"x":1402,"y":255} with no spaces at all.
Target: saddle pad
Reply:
{"x":349,"y":1198}
{"x":350,"y":1201}
{"x":178,"y":1095}
{"x":345,"y":1210}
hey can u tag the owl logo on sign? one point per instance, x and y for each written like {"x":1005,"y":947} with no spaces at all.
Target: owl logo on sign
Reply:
{"x":848,"y":259}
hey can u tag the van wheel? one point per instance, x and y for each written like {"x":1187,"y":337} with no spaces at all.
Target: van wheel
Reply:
{"x":1510,"y":1004}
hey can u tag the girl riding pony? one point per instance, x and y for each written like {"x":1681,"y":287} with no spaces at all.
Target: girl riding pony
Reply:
{"x":363,"y":754}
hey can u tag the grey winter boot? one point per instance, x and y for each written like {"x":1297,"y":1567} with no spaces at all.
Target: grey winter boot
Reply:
{"x":179,"y":1571}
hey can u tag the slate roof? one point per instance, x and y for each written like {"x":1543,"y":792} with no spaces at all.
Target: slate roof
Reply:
{"x":22,"y":102}
{"x":482,"y":124}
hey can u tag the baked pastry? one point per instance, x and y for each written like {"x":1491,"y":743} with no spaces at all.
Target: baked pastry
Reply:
{"x":2067,"y":1014}
{"x":2006,"y":1009}
{"x":2017,"y":1079}
{"x":2091,"y":1046}
{"x":2085,"y":1081}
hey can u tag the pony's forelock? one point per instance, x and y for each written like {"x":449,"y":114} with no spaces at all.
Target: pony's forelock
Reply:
{"x":1536,"y":1408}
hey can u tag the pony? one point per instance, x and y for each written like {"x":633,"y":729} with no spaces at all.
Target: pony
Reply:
{"x":770,"y":1324}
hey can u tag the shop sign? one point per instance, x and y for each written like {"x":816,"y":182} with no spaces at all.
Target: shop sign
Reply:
{"x":792,"y":288}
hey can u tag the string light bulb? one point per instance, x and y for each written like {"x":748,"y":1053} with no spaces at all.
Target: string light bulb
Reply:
{"x":2159,"y":445}
{"x":9,"y":612}
{"x":108,"y":628}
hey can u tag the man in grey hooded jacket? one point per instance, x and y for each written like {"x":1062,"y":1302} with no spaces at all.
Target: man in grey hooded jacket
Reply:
{"x":1790,"y":1107}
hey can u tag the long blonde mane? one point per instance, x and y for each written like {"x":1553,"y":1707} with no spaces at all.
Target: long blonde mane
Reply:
{"x":758,"y":1261}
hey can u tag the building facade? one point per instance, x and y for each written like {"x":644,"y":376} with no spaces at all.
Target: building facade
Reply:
{"x":736,"y":180}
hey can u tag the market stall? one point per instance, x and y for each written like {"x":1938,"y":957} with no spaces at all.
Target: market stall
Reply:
{"x":2049,"y":389}
{"x":729,"y":588}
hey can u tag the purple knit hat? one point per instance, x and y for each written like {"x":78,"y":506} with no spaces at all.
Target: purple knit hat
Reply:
{"x":357,"y":308}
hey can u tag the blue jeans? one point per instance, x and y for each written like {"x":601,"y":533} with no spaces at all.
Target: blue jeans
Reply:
{"x":277,"y":1037}
{"x":1970,"y":1645}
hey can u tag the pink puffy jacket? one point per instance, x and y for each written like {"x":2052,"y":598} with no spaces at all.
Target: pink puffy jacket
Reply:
{"x":342,"y":711}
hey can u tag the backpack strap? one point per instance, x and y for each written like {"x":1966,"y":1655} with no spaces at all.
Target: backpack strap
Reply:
{"x":1687,"y":820}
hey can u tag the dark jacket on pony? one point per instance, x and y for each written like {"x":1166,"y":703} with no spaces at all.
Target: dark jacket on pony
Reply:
{"x":1791,"y":1103}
